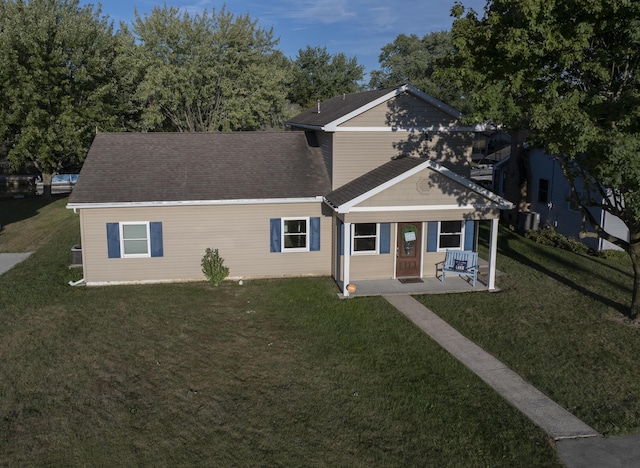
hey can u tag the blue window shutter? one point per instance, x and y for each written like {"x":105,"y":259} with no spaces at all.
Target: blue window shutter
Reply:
{"x":385,"y":238}
{"x":469,"y":234}
{"x":155,"y":233}
{"x":341,"y":237}
{"x":432,"y":236}
{"x":314,"y":234}
{"x":113,"y":240}
{"x":275,"y":230}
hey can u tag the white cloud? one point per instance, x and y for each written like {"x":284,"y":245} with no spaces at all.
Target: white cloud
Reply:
{"x":318,"y":11}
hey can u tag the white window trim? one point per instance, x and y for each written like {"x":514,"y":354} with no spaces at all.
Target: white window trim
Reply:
{"x":122,"y":239}
{"x":283,"y":235}
{"x":365,"y":252}
{"x":461,"y":247}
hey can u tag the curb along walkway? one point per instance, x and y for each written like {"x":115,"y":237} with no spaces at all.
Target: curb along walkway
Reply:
{"x":544,"y":412}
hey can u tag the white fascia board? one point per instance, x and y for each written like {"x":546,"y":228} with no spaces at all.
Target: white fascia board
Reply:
{"x":346,"y":207}
{"x":368,"y":209}
{"x":258,"y":201}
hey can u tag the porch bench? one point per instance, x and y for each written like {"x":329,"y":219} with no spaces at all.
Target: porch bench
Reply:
{"x":461,"y":262}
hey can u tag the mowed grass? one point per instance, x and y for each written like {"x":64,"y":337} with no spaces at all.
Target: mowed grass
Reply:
{"x":276,"y":372}
{"x":27,"y":224}
{"x":560,"y":323}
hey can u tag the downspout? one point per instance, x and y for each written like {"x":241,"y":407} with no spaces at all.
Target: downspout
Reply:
{"x":346,"y":242}
{"x":80,"y":282}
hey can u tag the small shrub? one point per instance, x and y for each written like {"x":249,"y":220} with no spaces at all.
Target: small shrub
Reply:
{"x":550,"y":237}
{"x":213,"y":267}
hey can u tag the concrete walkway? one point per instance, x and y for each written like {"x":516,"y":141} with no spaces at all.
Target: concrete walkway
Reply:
{"x":579,"y":446}
{"x":9,"y":260}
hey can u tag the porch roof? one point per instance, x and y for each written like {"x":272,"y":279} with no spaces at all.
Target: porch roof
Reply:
{"x":343,"y":199}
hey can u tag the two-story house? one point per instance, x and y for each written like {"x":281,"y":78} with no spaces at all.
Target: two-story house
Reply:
{"x":372,"y":185}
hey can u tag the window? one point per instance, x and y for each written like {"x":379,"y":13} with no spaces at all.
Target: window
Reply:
{"x":450,"y":235}
{"x":365,"y":238}
{"x":543,"y":191}
{"x":295,"y":234}
{"x":134,"y":239}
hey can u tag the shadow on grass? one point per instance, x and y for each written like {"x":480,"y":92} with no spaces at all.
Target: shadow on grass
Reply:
{"x":19,"y":209}
{"x":508,"y":238}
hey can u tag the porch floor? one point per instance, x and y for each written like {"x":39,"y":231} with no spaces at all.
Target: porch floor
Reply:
{"x":429,"y":285}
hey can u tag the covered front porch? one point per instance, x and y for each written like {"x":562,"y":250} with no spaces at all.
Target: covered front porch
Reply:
{"x":427,"y":285}
{"x":398,"y":221}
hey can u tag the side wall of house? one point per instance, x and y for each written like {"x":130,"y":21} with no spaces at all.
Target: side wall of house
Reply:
{"x":556,"y":208}
{"x":240,"y":232}
{"x":326,"y":146}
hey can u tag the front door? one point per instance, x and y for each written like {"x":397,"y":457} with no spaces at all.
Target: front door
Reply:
{"x":409,"y":250}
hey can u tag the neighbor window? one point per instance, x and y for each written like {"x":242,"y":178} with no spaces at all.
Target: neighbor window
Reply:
{"x":295,"y":234}
{"x":543,"y":191}
{"x":135,"y":239}
{"x":365,"y":238}
{"x":450,"y":235}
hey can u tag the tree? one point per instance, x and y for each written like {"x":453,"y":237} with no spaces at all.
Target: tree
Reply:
{"x":57,"y":82}
{"x":410,"y":59}
{"x":319,"y":75}
{"x":204,"y":72}
{"x":568,"y":72}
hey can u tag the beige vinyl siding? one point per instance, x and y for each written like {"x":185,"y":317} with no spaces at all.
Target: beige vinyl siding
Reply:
{"x":365,"y":267}
{"x":356,"y":153}
{"x":325,"y":140}
{"x":431,"y":263}
{"x":405,"y":110}
{"x":240,"y":232}
{"x":426,"y":188}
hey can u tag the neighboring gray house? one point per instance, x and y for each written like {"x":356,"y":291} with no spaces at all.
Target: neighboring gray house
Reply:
{"x":332,"y":196}
{"x":549,"y":201}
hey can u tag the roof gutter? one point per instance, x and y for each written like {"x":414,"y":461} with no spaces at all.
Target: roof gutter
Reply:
{"x":149,"y":204}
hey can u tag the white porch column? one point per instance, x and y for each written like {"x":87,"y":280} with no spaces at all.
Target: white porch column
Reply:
{"x":493,"y":251}
{"x":346,"y":244}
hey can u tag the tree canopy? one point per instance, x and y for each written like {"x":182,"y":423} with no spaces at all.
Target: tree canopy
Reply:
{"x":319,"y":75}
{"x":415,"y":60}
{"x":57,"y":81}
{"x":568,"y":72}
{"x":206,"y":72}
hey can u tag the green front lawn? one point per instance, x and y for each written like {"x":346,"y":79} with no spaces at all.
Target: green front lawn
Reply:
{"x":559,"y":322}
{"x":269,"y":373}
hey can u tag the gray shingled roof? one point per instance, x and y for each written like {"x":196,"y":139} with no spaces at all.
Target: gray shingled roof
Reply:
{"x":337,"y":107}
{"x":372,"y":179}
{"x":164,"y":167}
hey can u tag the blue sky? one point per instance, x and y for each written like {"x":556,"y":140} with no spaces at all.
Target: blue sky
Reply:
{"x":358,"y":28}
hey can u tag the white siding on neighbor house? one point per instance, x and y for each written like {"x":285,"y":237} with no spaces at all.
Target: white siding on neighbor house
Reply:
{"x":240,"y":232}
{"x":614,"y":226}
